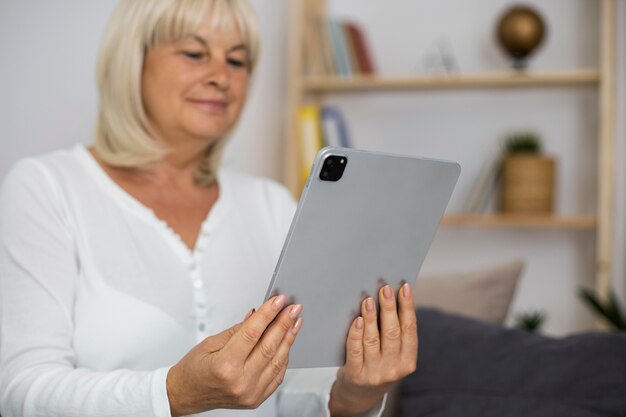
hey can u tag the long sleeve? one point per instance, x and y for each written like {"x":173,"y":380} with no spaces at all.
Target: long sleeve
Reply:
{"x":306,"y":392}
{"x":98,"y":298}
{"x":39,"y":269}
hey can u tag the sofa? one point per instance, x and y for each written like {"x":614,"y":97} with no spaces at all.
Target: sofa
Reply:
{"x":470,"y":365}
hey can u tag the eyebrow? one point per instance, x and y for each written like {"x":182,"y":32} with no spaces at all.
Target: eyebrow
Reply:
{"x":203,"y":41}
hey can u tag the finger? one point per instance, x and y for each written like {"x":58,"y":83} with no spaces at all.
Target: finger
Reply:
{"x":243,"y":341}
{"x":265,"y":352}
{"x":408,"y":325}
{"x":371,"y":336}
{"x":390,"y":332}
{"x":251,"y":312}
{"x":274,"y":384}
{"x":275,"y":374}
{"x":354,"y":346}
{"x":217,"y":342}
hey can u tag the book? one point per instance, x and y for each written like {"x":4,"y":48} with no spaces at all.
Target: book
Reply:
{"x":334,"y":47}
{"x":361,"y":48}
{"x":485,"y":186}
{"x":340,"y":51}
{"x":310,"y":139}
{"x":325,"y":44}
{"x":351,"y":48}
{"x":334,"y":127}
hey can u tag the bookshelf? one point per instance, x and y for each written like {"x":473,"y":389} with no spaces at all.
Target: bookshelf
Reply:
{"x":587,"y":77}
{"x":514,"y":221}
{"x":302,"y":89}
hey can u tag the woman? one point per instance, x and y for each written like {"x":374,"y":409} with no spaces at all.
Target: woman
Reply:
{"x":122,"y":264}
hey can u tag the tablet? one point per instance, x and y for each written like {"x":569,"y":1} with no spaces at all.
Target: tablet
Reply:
{"x":364,"y":219}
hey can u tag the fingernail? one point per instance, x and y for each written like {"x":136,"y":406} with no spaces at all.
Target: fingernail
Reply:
{"x":279,"y":302}
{"x":296,"y":326}
{"x":369,"y":304}
{"x":251,"y":312}
{"x":359,"y":323}
{"x":387,"y":292}
{"x":295,"y":311}
{"x":406,"y":290}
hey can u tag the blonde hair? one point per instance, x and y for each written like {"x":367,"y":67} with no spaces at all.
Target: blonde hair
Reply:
{"x":121,"y":137}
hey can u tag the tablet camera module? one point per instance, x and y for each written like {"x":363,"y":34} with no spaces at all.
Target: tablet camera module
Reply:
{"x":333,"y":167}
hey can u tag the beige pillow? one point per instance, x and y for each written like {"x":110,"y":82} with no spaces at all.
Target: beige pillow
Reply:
{"x":484,"y":294}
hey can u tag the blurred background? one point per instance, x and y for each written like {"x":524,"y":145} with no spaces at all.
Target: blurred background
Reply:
{"x":48,"y":101}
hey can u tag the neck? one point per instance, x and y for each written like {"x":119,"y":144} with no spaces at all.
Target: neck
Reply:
{"x":177,"y":169}
{"x":183,"y":157}
{"x":180,"y":164}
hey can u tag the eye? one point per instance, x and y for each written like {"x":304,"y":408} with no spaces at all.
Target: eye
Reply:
{"x":194,"y":55}
{"x":237,"y":63}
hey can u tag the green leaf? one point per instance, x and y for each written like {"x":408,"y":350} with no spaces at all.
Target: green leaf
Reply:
{"x":610,"y":311}
{"x":616,"y":311}
{"x":523,"y":142}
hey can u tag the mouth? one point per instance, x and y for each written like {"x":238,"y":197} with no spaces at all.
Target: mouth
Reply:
{"x":215,"y":105}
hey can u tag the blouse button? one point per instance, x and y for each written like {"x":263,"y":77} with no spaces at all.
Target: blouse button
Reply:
{"x":197,"y":283}
{"x":201,"y":327}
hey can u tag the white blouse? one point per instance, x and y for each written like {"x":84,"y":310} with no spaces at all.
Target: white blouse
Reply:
{"x":99,"y":297}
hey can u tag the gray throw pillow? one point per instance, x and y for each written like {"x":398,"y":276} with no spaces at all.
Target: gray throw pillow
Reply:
{"x":470,"y":368}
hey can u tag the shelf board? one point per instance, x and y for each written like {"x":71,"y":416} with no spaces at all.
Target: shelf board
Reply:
{"x":582,"y":77}
{"x":520,"y":221}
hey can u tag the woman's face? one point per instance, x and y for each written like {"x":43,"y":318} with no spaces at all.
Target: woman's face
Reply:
{"x":194,"y":89}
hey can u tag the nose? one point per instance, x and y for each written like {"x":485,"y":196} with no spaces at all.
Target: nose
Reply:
{"x":218,"y":74}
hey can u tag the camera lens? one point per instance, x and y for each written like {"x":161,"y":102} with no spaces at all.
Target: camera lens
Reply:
{"x":333,"y":168}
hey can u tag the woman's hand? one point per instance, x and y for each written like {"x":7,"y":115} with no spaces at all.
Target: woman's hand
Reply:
{"x":376,"y":359}
{"x":238,"y":368}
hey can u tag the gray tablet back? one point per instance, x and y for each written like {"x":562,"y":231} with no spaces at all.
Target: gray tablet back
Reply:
{"x":347,"y":238}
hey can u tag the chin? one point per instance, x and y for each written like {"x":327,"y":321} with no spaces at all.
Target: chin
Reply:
{"x":209,"y":137}
{"x":214,"y":130}
{"x":211,"y":128}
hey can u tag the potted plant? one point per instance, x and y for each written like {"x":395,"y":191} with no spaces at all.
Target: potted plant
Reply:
{"x":528,"y":176}
{"x":609,"y":310}
{"x":530,"y":321}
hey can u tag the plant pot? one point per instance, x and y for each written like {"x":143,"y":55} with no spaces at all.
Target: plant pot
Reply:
{"x":528,"y":184}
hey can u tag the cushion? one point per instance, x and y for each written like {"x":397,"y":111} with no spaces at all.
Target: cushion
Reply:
{"x":471,"y":368}
{"x":484,"y":294}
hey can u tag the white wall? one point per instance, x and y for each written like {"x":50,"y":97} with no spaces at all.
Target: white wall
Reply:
{"x":467,"y":126}
{"x":48,"y":101}
{"x":47,"y":81}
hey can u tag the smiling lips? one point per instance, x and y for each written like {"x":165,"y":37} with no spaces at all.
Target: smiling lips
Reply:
{"x":210,"y":105}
